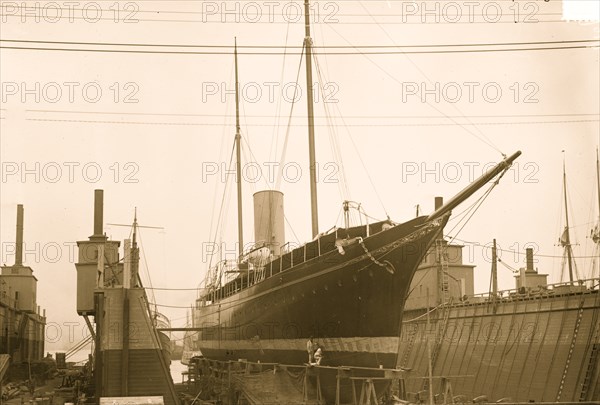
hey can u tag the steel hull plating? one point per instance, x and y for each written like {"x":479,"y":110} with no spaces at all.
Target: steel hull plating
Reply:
{"x":351,"y":303}
{"x":541,"y":348}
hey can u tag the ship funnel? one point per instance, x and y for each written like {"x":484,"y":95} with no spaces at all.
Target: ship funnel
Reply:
{"x":269,"y":226}
{"x":98,"y":212}
{"x":529,"y":256}
{"x":19,"y":247}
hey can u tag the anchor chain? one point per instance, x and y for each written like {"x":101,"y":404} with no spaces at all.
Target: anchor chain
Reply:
{"x":387,"y":265}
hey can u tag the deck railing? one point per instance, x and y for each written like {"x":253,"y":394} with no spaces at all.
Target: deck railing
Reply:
{"x":548,"y":289}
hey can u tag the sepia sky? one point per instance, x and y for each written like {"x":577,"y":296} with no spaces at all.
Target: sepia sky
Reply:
{"x":154,"y":126}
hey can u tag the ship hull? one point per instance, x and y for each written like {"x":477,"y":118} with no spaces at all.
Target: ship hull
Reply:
{"x":540,"y":347}
{"x":351,"y":303}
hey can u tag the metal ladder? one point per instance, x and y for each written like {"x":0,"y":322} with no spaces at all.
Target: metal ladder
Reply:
{"x":443,"y":291}
{"x":571,"y":349}
{"x":411,"y":343}
{"x":592,"y":365}
{"x":443,"y":271}
{"x":437,"y":344}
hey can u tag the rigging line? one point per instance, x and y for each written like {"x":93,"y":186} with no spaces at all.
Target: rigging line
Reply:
{"x":316,"y":116}
{"x":78,"y":346}
{"x":174,"y":289}
{"x":456,"y":217}
{"x":362,"y":162}
{"x":285,"y":47}
{"x":558,"y":229}
{"x":241,"y":176}
{"x":228,"y":201}
{"x":230,"y":188}
{"x":146,"y":266}
{"x":154,"y":52}
{"x":418,"y":283}
{"x":343,"y":184}
{"x":489,"y":142}
{"x":475,"y":207}
{"x":507,"y":266}
{"x":220,"y":216}
{"x":203,"y":124}
{"x":395,"y":79}
{"x":245,"y":142}
{"x":220,"y":21}
{"x":291,"y":228}
{"x":279,"y":106}
{"x":334,"y":142}
{"x":130,"y":18}
{"x":289,"y":126}
{"x":171,"y":306}
{"x":336,"y":145}
{"x":514,"y":252}
{"x":567,"y":248}
{"x":575,"y":269}
{"x":474,"y":211}
{"x":215,"y":194}
{"x":330,"y":114}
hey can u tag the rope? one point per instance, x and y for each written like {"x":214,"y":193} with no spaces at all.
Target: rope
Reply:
{"x":333,"y":136}
{"x":220,"y":216}
{"x":507,"y":266}
{"x":483,"y":138}
{"x":289,"y":125}
{"x":75,"y":349}
{"x":477,"y":205}
{"x":387,"y":265}
{"x":274,"y":145}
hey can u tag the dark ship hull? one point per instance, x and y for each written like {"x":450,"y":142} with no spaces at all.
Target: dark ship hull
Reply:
{"x":539,"y":346}
{"x":351,"y":303}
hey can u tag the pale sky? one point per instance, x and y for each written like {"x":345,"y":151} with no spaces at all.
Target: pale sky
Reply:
{"x":161,"y":119}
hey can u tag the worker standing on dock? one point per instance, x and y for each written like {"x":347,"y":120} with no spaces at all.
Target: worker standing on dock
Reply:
{"x":310,"y":348}
{"x":318,"y":356}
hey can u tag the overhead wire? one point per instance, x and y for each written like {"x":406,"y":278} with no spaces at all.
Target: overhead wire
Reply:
{"x":204,"y":124}
{"x":278,"y":107}
{"x":452,"y":21}
{"x":300,"y":47}
{"x":486,"y":139}
{"x":229,"y":53}
{"x":316,"y":116}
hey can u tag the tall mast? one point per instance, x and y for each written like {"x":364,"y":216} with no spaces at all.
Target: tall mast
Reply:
{"x":596,"y":230}
{"x":567,"y":238}
{"x":135,"y":256}
{"x":598,"y":180}
{"x":238,"y":137}
{"x":311,"y":123}
{"x":494,"y":271}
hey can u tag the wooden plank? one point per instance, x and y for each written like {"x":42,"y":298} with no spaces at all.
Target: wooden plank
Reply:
{"x":155,"y":400}
{"x":4,"y":361}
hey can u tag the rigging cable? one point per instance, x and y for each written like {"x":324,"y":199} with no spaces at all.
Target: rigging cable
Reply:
{"x":147,"y":268}
{"x":487,"y":139}
{"x":301,"y":47}
{"x":289,"y":125}
{"x":426,"y":77}
{"x":333,"y":137}
{"x":279,"y":106}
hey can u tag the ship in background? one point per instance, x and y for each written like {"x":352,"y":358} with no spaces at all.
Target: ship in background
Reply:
{"x":22,"y":323}
{"x":537,"y":342}
{"x":346,"y":287}
{"x":130,"y":357}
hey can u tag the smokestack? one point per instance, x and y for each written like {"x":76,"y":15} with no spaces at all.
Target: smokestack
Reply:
{"x":529,"y":256}
{"x":439,"y":201}
{"x":269,"y":221}
{"x":19,"y":247}
{"x":98,"y":212}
